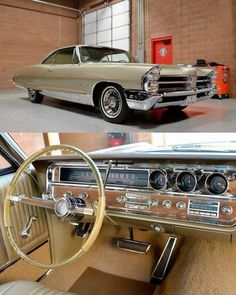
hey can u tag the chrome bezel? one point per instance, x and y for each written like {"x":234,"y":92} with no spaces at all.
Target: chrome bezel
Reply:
{"x":177,"y":182}
{"x":145,"y":79}
{"x":163,"y":172}
{"x":207,"y":185}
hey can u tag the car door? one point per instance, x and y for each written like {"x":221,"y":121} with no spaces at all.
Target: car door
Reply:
{"x":21,"y":214}
{"x":64,"y":74}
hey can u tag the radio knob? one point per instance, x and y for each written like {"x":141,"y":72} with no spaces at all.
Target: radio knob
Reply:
{"x":153,"y":203}
{"x":121,"y":199}
{"x":166,"y":203}
{"x":227,"y":210}
{"x":180,"y":205}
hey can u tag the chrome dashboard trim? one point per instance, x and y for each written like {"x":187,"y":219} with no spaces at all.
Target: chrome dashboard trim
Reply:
{"x":148,"y":189}
{"x":83,"y":165}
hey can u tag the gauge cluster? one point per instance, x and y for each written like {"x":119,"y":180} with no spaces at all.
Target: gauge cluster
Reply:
{"x":189,"y":181}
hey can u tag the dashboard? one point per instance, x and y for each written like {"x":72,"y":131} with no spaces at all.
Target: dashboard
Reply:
{"x":179,"y":192}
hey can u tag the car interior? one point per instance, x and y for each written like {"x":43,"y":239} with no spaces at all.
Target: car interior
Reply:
{"x":117,"y":213}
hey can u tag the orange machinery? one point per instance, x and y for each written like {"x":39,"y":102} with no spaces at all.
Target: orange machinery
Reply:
{"x":222,"y":81}
{"x":222,"y":77}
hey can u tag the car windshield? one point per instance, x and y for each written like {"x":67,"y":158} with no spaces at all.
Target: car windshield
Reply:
{"x":178,"y":142}
{"x":195,"y":142}
{"x":96,"y":54}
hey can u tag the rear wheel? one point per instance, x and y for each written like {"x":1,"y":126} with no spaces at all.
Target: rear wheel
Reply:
{"x":112,"y":104}
{"x":35,"y":96}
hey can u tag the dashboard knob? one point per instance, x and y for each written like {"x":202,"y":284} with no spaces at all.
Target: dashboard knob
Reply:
{"x":227,"y":210}
{"x":67,"y":194}
{"x":166,"y":203}
{"x":83,"y":195}
{"x":121,"y":199}
{"x":153,"y":203}
{"x":158,"y":228}
{"x":180,"y":205}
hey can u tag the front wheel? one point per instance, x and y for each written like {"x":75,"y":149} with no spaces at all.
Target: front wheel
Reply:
{"x":112,"y":104}
{"x":35,"y":96}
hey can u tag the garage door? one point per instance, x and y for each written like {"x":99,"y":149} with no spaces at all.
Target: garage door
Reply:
{"x":109,"y":26}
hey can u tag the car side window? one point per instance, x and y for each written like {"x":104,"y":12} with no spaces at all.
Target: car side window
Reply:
{"x":50,"y":60}
{"x":5,"y":166}
{"x":65,"y":57}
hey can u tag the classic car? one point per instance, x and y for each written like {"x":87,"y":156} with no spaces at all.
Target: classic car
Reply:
{"x":111,"y":80}
{"x":139,"y":199}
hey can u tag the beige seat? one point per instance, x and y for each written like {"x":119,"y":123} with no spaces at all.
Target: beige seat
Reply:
{"x":28,"y":288}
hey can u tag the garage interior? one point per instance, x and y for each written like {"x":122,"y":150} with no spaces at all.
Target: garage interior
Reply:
{"x":188,"y":30}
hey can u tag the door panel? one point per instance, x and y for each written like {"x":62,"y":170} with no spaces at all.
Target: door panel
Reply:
{"x":3,"y":251}
{"x":162,"y":52}
{"x":65,"y":78}
{"x":21,"y":214}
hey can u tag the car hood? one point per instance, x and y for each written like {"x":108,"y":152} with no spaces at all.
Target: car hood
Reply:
{"x":166,"y":70}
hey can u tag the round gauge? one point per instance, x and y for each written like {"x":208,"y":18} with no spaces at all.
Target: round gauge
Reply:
{"x":158,"y":179}
{"x":186,"y":181}
{"x":217,"y":184}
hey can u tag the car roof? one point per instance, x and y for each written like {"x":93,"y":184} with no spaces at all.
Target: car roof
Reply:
{"x":84,"y":45}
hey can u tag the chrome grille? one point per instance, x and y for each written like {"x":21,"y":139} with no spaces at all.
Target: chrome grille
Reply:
{"x":203,"y":82}
{"x":174,"y":83}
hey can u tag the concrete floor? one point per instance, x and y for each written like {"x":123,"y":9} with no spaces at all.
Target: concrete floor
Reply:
{"x":17,"y":113}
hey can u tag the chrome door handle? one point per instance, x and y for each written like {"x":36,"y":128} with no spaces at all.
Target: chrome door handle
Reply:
{"x":25,"y":233}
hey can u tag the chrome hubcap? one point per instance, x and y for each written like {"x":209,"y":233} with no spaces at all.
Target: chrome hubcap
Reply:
{"x":32,"y":94}
{"x":111,"y":102}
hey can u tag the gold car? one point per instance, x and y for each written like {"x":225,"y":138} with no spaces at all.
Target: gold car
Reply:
{"x":111,"y":80}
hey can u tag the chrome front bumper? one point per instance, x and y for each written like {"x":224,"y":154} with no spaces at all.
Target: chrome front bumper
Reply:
{"x":158,"y":101}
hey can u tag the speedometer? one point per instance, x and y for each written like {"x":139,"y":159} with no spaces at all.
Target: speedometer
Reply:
{"x":116,"y":177}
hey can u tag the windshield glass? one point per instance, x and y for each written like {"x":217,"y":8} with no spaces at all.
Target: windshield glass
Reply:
{"x":222,"y":142}
{"x":96,"y":54}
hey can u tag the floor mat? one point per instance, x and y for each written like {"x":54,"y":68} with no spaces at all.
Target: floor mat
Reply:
{"x":95,"y":282}
{"x":22,"y":270}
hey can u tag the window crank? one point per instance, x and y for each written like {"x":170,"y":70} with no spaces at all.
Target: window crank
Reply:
{"x":25,"y":233}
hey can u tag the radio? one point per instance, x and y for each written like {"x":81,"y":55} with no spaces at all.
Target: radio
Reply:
{"x":134,"y":201}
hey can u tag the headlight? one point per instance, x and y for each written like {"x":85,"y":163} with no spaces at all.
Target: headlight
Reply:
{"x":150,"y":80}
